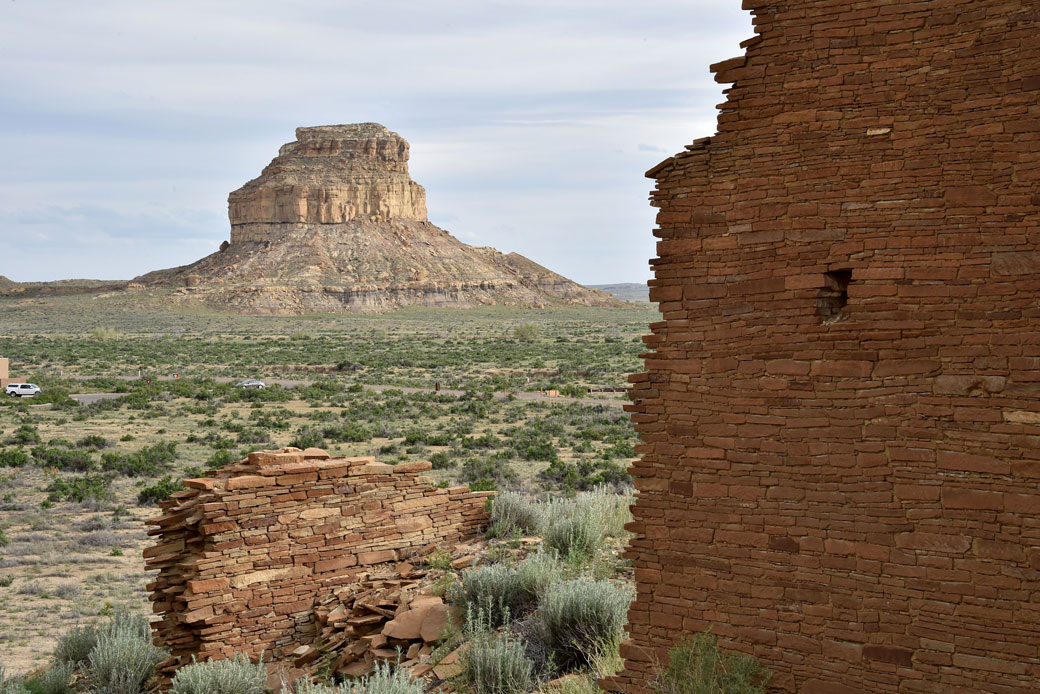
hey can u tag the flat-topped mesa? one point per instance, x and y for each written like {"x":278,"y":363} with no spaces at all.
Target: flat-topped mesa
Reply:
{"x":331,"y":174}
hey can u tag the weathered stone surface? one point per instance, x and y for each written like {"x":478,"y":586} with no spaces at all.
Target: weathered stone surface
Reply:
{"x":839,"y":418}
{"x":335,"y":223}
{"x":329,"y":175}
{"x":241,"y":562}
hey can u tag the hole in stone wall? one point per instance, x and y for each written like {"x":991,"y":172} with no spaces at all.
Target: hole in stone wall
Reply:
{"x":834,"y":295}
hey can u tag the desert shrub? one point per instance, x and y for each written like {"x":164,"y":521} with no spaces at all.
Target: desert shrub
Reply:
{"x":527,"y":331}
{"x":234,"y":676}
{"x":384,"y":680}
{"x":388,"y":680}
{"x":499,"y":665}
{"x":63,"y":458}
{"x":614,"y":510}
{"x":4,"y":540}
{"x":147,"y":462}
{"x":573,"y":529}
{"x":492,"y":590}
{"x":485,"y":441}
{"x":536,"y":573}
{"x":99,"y":538}
{"x":578,"y":617}
{"x":12,"y":685}
{"x":696,"y":665}
{"x":75,"y":645}
{"x":160,"y":491}
{"x":93,"y":523}
{"x":96,"y":487}
{"x":14,"y":457}
{"x":308,"y":438}
{"x":441,"y":460}
{"x":105,"y":333}
{"x":55,"y":680}
{"x":512,"y":512}
{"x":347,"y":432}
{"x":124,"y":658}
{"x":485,"y":474}
{"x":220,"y":458}
{"x":305,"y":686}
{"x":26,"y":435}
{"x":92,"y":441}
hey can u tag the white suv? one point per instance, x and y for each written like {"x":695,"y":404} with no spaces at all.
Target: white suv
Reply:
{"x":22,"y":389}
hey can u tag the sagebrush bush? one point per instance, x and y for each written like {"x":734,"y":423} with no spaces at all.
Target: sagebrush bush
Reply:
{"x":494,"y":590}
{"x":536,"y":573}
{"x":514,"y":513}
{"x":696,"y":665}
{"x":498,"y":665}
{"x":389,"y":680}
{"x":384,"y":680}
{"x":575,"y":531}
{"x":56,"y":680}
{"x":12,"y":685}
{"x":234,"y":676}
{"x":578,"y":617}
{"x":502,"y":591}
{"x":75,"y":645}
{"x":613,"y":509}
{"x":124,"y":658}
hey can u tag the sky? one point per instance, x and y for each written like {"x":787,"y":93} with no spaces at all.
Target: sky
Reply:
{"x":124,"y":124}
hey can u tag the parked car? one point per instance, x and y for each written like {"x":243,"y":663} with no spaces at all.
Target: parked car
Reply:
{"x":251,"y":383}
{"x":22,"y":390}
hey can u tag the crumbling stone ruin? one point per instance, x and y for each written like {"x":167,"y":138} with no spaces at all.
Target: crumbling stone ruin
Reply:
{"x":841,"y":411}
{"x":251,"y":556}
{"x":336,"y":223}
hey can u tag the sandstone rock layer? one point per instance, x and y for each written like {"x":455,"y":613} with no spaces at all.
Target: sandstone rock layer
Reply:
{"x":840,"y":418}
{"x":329,"y":175}
{"x":335,"y":223}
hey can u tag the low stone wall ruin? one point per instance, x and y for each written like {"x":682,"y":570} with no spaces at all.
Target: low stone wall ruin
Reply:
{"x":244,"y":554}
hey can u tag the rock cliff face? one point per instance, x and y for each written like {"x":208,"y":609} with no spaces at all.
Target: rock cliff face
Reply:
{"x":331,"y":175}
{"x":335,"y":223}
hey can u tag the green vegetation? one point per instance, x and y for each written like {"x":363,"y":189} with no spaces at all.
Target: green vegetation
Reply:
{"x":123,"y":659}
{"x":578,"y":617}
{"x":385,"y":680}
{"x":498,"y":664}
{"x":232,"y":676}
{"x":696,"y":665}
{"x":160,"y":491}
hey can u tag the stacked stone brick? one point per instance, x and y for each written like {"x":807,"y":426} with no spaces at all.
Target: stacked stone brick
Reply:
{"x":244,"y":554}
{"x":841,"y":411}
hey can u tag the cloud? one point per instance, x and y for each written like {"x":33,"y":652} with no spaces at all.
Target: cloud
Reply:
{"x":136,"y":119}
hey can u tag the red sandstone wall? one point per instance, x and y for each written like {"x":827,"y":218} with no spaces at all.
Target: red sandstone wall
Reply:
{"x":243,"y":555}
{"x":851,"y":494}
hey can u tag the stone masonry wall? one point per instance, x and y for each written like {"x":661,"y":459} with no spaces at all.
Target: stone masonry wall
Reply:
{"x":840,"y":417}
{"x":243,"y":554}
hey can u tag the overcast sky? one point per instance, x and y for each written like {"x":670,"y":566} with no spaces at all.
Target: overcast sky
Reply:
{"x":126,"y":123}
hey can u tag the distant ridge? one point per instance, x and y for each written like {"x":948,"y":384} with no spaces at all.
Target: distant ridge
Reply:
{"x":626,"y":291}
